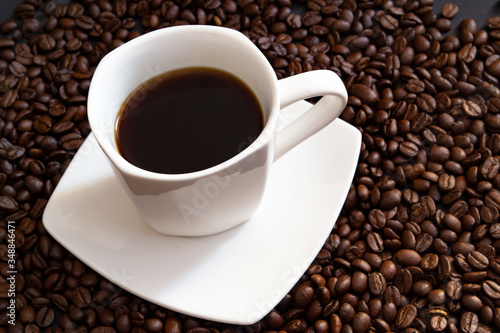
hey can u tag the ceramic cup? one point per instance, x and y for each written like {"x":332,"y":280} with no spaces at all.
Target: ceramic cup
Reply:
{"x":218,"y":198}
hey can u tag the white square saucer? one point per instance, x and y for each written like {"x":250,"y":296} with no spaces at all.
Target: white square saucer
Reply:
{"x":237,"y":276}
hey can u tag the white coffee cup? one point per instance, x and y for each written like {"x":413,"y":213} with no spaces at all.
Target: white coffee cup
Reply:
{"x":218,"y":198}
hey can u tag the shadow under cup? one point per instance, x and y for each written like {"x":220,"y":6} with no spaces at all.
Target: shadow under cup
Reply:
{"x":190,"y":204}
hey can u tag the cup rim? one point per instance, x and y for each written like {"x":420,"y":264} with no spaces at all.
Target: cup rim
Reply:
{"x":128,"y":168}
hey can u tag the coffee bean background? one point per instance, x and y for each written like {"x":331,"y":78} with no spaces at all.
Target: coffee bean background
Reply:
{"x":415,"y":247}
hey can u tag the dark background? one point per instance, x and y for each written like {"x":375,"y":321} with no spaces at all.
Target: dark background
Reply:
{"x":479,"y":10}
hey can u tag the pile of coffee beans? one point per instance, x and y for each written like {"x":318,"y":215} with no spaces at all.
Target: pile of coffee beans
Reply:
{"x":414,"y":249}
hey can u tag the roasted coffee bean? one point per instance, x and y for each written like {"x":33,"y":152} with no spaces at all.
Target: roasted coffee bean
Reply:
{"x":477,"y":260}
{"x":408,"y":149}
{"x":392,"y":295}
{"x":438,"y":323}
{"x":45,"y":317}
{"x":492,"y":289}
{"x":449,"y":10}
{"x":27,"y":314}
{"x":407,"y":257}
{"x":377,"y":219}
{"x":423,"y":242}
{"x":430,"y":262}
{"x":403,"y":280}
{"x":422,"y":288}
{"x":469,"y":322}
{"x":472,"y":302}
{"x":364,"y":93}
{"x":156,"y":325}
{"x":361,"y":322}
{"x":173,"y":324}
{"x":493,"y":22}
{"x":388,"y":269}
{"x":454,"y":289}
{"x":8,"y":205}
{"x":405,"y":316}
{"x":343,"y":284}
{"x":467,"y":29}
{"x":377,"y":283}
{"x":81,"y":297}
{"x":346,"y":312}
{"x":436,"y":296}
{"x":375,"y":242}
{"x":359,"y":282}
{"x":388,"y":22}
{"x":303,"y":295}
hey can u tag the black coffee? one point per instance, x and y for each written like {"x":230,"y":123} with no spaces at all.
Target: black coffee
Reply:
{"x":187,"y":120}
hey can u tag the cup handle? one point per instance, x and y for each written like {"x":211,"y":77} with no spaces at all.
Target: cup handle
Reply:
{"x":306,"y":85}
